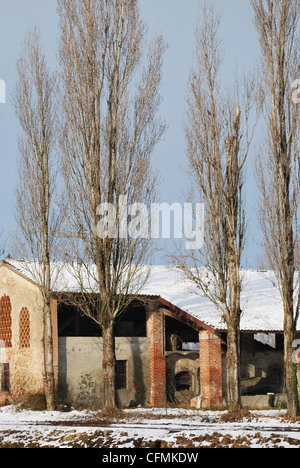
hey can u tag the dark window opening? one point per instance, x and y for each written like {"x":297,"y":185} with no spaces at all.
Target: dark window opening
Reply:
{"x":279,"y":341}
{"x":132,"y":322}
{"x":121,"y":374}
{"x":5,"y":378}
{"x":183,"y":381}
{"x":275,"y":377}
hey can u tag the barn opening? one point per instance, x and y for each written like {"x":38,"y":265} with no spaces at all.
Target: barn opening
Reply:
{"x":72,"y":322}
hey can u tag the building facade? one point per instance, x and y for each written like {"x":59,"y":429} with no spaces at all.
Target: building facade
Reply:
{"x":164,"y":354}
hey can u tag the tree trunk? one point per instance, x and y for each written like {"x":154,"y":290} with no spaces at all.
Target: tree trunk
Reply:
{"x":109,"y":367}
{"x":291,"y":380}
{"x":49,"y":382}
{"x":233,"y":366}
{"x":277,"y":26}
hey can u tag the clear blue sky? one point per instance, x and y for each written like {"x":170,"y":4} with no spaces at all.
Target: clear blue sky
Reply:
{"x":175,"y":19}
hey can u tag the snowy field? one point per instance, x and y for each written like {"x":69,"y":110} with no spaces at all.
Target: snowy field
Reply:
{"x":146,"y":428}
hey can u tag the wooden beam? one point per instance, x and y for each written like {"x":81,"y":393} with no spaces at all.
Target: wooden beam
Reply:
{"x":184,"y":316}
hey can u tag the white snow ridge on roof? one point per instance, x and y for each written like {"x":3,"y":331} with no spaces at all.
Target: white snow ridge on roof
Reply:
{"x":261,"y":302}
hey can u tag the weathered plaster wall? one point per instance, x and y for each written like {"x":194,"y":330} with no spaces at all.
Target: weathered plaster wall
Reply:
{"x":80,"y":370}
{"x":25,"y":363}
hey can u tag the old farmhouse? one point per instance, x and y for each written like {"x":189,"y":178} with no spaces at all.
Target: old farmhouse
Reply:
{"x":170,"y":343}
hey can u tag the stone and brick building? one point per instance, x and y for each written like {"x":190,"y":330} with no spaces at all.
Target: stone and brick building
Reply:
{"x":170,"y":343}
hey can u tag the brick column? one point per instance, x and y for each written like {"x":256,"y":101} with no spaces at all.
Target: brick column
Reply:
{"x":210,"y":369}
{"x":155,"y":331}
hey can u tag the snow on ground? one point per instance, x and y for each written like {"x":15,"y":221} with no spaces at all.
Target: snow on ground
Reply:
{"x":146,"y":428}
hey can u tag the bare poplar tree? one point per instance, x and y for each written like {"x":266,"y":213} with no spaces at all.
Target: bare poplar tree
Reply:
{"x":38,"y":222}
{"x":110,"y":98}
{"x":218,"y":139}
{"x":276,"y":23}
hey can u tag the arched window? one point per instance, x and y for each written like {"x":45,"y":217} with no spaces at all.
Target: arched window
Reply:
{"x":5,"y":321}
{"x":183,"y":381}
{"x":24,"y":328}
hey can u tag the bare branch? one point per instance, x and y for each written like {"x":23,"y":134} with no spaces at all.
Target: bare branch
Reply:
{"x":217,"y":149}
{"x":110,"y":87}
{"x":36,"y":216}
{"x":277,"y":167}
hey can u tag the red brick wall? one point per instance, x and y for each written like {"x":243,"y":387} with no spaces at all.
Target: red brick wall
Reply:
{"x":155,"y":331}
{"x":210,"y":369}
{"x":210,"y":363}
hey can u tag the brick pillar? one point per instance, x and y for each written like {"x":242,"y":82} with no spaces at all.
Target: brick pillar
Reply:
{"x":210,"y":369}
{"x":155,"y":331}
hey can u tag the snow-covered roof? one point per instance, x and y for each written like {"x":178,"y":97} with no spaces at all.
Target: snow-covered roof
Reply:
{"x":261,"y":302}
